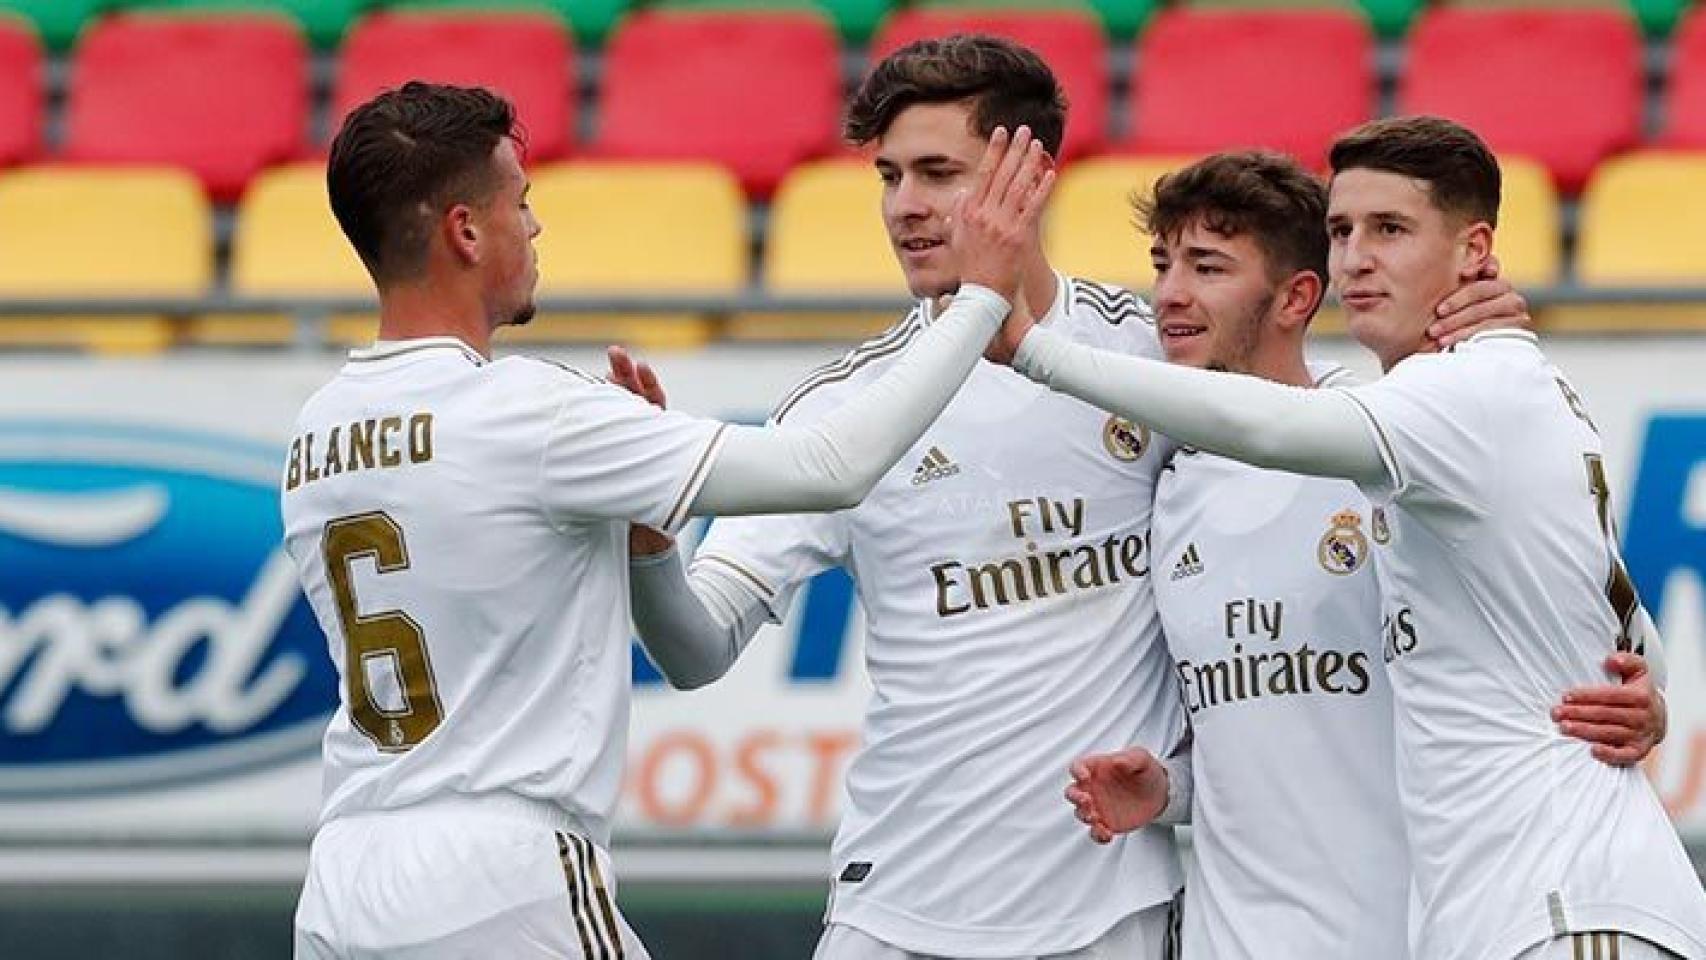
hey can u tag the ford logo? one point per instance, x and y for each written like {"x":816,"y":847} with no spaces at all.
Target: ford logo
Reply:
{"x":151,"y":627}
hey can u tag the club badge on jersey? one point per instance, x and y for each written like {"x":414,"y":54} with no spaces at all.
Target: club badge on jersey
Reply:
{"x":1343,"y":548}
{"x":1124,"y":439}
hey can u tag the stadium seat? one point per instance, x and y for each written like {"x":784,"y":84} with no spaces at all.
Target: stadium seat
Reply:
{"x":636,"y":228}
{"x":1659,"y":17}
{"x":1091,"y":230}
{"x":1070,"y":41}
{"x":285,"y":244}
{"x":854,"y":19}
{"x":758,"y":93}
{"x":1389,"y":18}
{"x":1685,"y":96}
{"x":143,"y":232}
{"x":323,"y":21}
{"x":1564,"y":88}
{"x":527,"y":56}
{"x":826,"y":233}
{"x":20,"y":93}
{"x":223,"y":96}
{"x":1122,"y":19}
{"x":57,"y":21}
{"x":591,"y":20}
{"x":1656,"y":17}
{"x":1530,"y":233}
{"x":1289,"y":80}
{"x":1641,"y":222}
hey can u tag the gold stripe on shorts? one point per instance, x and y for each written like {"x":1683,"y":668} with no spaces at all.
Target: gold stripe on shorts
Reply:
{"x":577,"y":890}
{"x":588,"y":861}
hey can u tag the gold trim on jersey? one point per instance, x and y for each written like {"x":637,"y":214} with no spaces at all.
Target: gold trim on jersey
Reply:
{"x":375,"y":354}
{"x":766,"y":592}
{"x":1389,"y":452}
{"x":695,"y":479}
{"x":891,"y":341}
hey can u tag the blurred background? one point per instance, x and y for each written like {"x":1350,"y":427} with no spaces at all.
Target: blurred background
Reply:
{"x":172,"y":286}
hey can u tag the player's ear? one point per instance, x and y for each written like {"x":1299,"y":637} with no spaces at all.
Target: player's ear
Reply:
{"x":1299,"y":297}
{"x":1477,"y":248}
{"x":461,"y":233}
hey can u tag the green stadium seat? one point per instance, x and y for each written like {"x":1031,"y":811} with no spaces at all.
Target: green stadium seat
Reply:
{"x":58,"y":21}
{"x":1121,"y":18}
{"x":590,"y":20}
{"x":1391,"y":17}
{"x":322,"y":20}
{"x":853,"y":19}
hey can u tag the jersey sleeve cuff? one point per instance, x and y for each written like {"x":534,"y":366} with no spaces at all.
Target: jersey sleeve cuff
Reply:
{"x":695,"y":480}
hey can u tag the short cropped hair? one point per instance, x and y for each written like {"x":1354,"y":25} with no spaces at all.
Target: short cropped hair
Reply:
{"x":1007,"y":84}
{"x":1461,"y":172}
{"x":1266,"y":196}
{"x":403,"y":158}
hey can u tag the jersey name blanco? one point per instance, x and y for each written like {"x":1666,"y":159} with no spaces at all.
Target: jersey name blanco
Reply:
{"x":1271,"y":609}
{"x":1004,"y":569}
{"x":1502,"y":589}
{"x":460,"y":529}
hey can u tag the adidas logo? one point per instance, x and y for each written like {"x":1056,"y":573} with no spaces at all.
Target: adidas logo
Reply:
{"x":1189,"y":565}
{"x":936,"y":466}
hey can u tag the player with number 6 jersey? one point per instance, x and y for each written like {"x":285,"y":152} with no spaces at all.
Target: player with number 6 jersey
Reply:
{"x":459,"y":525}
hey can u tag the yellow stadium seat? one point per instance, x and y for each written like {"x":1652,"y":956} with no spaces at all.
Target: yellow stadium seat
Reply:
{"x":1641,"y":220}
{"x":826,"y":238}
{"x":101,"y":232}
{"x":1091,"y":229}
{"x":636,"y":228}
{"x":287,"y":243}
{"x":1640,"y":225}
{"x":1530,"y":234}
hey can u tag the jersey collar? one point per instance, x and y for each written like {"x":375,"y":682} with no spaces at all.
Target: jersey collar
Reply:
{"x":387,"y":349}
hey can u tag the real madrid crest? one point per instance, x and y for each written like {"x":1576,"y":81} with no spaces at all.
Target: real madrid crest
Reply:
{"x":1382,"y":532}
{"x":1343,"y":548}
{"x":1124,"y":439}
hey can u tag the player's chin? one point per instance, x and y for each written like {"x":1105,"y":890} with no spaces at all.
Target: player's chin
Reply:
{"x":523,"y":316}
{"x":930,"y":284}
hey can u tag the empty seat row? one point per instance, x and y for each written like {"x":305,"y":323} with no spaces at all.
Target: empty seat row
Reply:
{"x":763,"y":93}
{"x":147,"y":231}
{"x":325,"y":21}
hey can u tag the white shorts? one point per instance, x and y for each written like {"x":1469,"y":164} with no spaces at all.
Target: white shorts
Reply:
{"x":1597,"y":946}
{"x":448,"y":886}
{"x":1149,"y":934}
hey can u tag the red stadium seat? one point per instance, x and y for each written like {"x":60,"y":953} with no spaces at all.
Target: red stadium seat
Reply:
{"x":222,"y":95}
{"x":527,"y":57}
{"x":1560,"y":85}
{"x":1286,"y":80}
{"x":20,"y":93}
{"x":757,"y":92}
{"x":1070,"y":40}
{"x":1685,"y":100}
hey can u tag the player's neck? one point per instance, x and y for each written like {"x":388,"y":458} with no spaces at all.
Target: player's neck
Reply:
{"x":1280,"y":359}
{"x":413,"y":311}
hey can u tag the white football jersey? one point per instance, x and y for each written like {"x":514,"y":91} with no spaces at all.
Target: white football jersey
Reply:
{"x":1271,"y":609}
{"x":460,"y":528}
{"x":1004,"y":570}
{"x":1503,"y":589}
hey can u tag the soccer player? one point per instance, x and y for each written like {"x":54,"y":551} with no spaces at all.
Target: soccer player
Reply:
{"x":1298,"y":845}
{"x":1501,"y":583}
{"x":459,"y":525}
{"x":1004,"y":568}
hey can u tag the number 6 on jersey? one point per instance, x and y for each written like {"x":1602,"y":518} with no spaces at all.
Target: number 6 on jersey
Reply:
{"x":390,"y":641}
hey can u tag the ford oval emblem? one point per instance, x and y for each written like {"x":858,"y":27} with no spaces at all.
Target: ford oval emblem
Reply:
{"x":151,"y":626}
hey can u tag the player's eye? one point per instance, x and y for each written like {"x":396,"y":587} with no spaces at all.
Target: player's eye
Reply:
{"x":1210,"y":269}
{"x":1339,"y":231}
{"x":888,"y":177}
{"x":1391,"y":229}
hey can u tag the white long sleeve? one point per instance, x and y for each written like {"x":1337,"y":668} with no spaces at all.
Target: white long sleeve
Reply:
{"x":693,"y":628}
{"x":833,"y":463}
{"x":1315,"y":432}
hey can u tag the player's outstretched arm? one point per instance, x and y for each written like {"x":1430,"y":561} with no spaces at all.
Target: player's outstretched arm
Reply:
{"x":1316,"y":432}
{"x":833,"y":463}
{"x":693,"y":627}
{"x":1624,"y":721}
